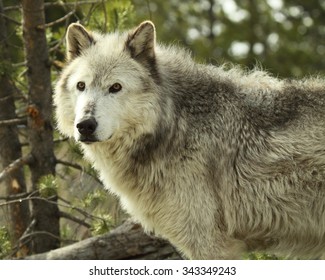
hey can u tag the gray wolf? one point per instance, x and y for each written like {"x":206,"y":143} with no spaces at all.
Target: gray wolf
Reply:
{"x":219,"y":161}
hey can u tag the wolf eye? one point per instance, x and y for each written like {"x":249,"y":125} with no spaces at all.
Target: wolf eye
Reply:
{"x":81,"y":86}
{"x":115,"y":88}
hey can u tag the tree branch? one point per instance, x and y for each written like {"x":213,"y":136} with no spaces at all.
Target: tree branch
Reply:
{"x":42,"y":232}
{"x":61,"y":140}
{"x":18,"y":163}
{"x":13,"y":122}
{"x":128,"y":241}
{"x":81,"y":211}
{"x":78,"y":167}
{"x":47,"y":5}
{"x":47,"y":25}
{"x":32,"y":196}
{"x":74,"y":219}
{"x":22,"y":240}
{"x":11,"y":19}
{"x":70,"y":164}
{"x":17,"y":197}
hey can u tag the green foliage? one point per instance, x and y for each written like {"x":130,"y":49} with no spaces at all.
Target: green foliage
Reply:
{"x":109,"y":15}
{"x":287,"y":37}
{"x":67,"y":235}
{"x":47,"y":186}
{"x":102,"y":225}
{"x":5,"y":245}
{"x":66,"y":232}
{"x":94,"y":198}
{"x":261,"y":256}
{"x":5,"y":67}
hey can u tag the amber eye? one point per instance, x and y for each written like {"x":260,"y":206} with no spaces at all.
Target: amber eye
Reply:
{"x":115,"y":88}
{"x":81,"y":86}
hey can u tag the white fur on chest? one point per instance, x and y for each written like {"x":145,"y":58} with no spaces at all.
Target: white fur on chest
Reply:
{"x":133,"y":202}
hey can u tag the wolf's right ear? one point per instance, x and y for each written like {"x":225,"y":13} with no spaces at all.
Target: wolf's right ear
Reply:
{"x":141,"y":42}
{"x":78,"y":39}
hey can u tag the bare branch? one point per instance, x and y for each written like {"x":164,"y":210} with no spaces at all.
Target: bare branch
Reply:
{"x":58,"y":20}
{"x":74,"y":219}
{"x":20,"y":64}
{"x":81,"y":211}
{"x":5,"y":98}
{"x":22,"y":240}
{"x":61,"y":140}
{"x":40,"y":232}
{"x":28,"y":229}
{"x":16,"y":196}
{"x":27,"y":237}
{"x":78,"y":167}
{"x":22,"y":121}
{"x":74,"y":3}
{"x":70,"y":164}
{"x":11,"y":19}
{"x":32,"y":196}
{"x":105,"y":16}
{"x":18,"y":163}
{"x":59,"y":3}
{"x":149,"y":9}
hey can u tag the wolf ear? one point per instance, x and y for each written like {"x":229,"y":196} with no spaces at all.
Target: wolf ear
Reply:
{"x":141,"y":42}
{"x":78,"y":39}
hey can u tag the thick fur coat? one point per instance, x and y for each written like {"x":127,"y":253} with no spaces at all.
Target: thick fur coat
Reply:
{"x":218,"y":161}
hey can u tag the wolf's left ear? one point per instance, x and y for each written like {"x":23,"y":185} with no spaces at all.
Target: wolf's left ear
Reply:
{"x":78,"y":39}
{"x":141,"y":42}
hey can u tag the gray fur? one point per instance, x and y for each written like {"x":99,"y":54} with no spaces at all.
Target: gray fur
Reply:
{"x":218,"y":161}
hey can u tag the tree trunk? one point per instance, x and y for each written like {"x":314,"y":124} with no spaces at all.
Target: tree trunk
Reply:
{"x":46,"y":215}
{"x":128,"y":241}
{"x":10,"y":149}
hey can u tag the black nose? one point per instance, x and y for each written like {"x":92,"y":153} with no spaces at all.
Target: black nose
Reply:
{"x":87,"y":126}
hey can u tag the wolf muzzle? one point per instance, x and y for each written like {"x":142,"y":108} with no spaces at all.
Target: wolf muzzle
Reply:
{"x":86,"y":128}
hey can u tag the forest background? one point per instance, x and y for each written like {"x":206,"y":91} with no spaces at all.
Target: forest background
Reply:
{"x":50,"y":197}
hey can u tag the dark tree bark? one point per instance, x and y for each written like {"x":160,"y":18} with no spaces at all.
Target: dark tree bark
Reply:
{"x":46,"y":215}
{"x":10,"y":149}
{"x":128,"y":241}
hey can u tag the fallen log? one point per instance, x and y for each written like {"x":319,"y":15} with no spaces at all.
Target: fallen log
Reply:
{"x":127,"y":241}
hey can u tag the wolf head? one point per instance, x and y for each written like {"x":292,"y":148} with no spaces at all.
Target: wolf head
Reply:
{"x":108,"y":85}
